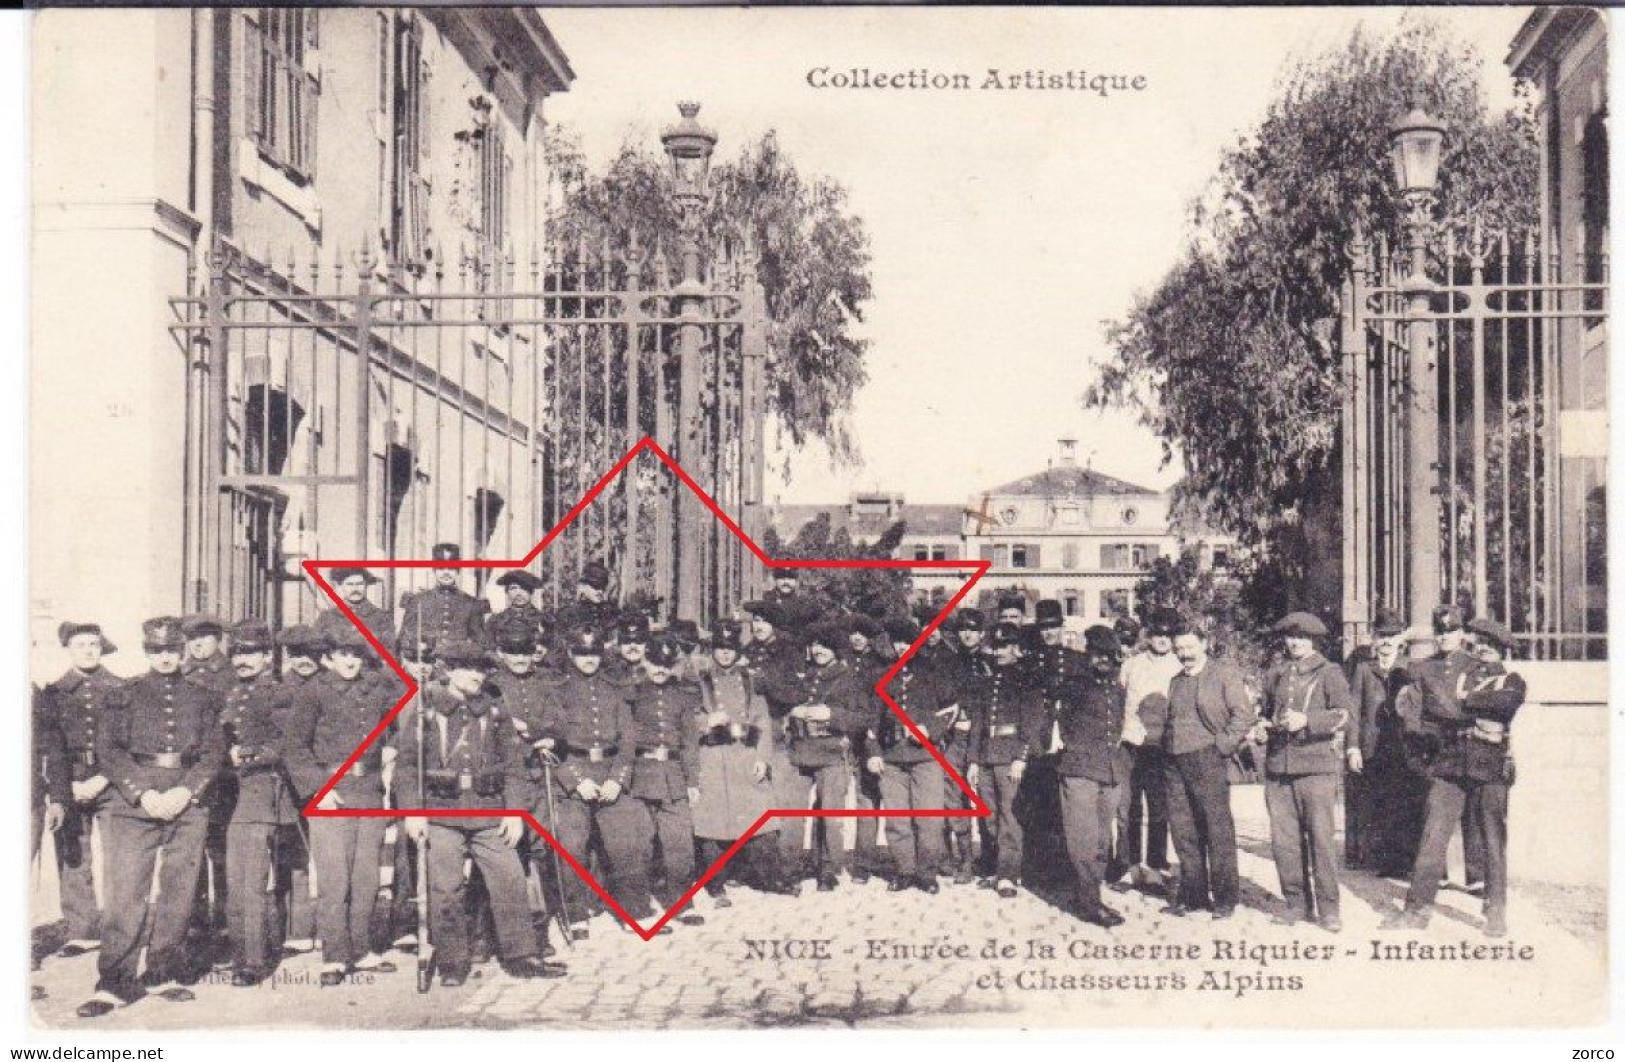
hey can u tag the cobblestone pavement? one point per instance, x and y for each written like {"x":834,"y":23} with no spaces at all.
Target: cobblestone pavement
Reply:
{"x":864,"y":956}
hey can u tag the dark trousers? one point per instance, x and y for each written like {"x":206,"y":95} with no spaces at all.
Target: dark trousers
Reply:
{"x":1358,"y":800}
{"x":866,"y":796}
{"x":75,"y":870}
{"x":132,"y":848}
{"x":623,"y":829}
{"x":1474,"y":852}
{"x":1446,"y":800}
{"x":1204,"y":832}
{"x":757,"y":863}
{"x":346,"y":857}
{"x":504,"y":878}
{"x":829,"y":784}
{"x":1087,"y":811}
{"x":1142,"y":812}
{"x":916,"y":844}
{"x":959,"y":831}
{"x":294,"y":884}
{"x":1303,"y":837}
{"x":789,"y":793}
{"x":1399,"y":799}
{"x":249,"y":906}
{"x":1001,"y":832}
{"x":671,"y":827}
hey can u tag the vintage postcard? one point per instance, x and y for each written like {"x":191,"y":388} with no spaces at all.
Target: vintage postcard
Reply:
{"x":719,"y":518}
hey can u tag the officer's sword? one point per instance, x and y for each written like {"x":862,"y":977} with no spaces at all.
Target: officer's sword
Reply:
{"x":425,"y":955}
{"x":562,"y":912}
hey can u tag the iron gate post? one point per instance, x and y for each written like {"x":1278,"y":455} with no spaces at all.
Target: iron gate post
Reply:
{"x":365,"y":264}
{"x":1423,"y":584}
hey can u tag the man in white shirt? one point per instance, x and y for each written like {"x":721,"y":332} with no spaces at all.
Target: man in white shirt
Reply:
{"x":1143,"y":804}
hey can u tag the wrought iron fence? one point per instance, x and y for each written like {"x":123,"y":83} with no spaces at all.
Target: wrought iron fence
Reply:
{"x":350,"y":407}
{"x":1508,"y":327}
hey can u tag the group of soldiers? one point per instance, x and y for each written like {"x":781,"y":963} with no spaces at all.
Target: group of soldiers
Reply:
{"x":647,"y":753}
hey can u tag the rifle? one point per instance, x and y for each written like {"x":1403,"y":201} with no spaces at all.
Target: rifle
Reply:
{"x":425,"y":953}
{"x":561,"y":912}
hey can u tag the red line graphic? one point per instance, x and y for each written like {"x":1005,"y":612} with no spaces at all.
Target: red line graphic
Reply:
{"x":977,"y":569}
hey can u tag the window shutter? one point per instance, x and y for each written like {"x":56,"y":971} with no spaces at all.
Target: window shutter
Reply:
{"x":253,"y":73}
{"x":1033,"y":554}
{"x":312,"y":91}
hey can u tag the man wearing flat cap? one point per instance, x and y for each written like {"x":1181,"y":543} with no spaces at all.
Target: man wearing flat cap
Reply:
{"x":1008,"y":720}
{"x":254,"y":721}
{"x":444,"y":611}
{"x":329,"y":720}
{"x":1307,"y":712}
{"x":473,"y":760}
{"x":160,"y":745}
{"x":353,"y":585}
{"x":519,"y":609}
{"x":1385,"y":796}
{"x":73,"y":704}
{"x":1474,"y":767}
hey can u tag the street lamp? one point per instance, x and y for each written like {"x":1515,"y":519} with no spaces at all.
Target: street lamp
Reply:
{"x":1416,"y":142}
{"x":689,"y":145}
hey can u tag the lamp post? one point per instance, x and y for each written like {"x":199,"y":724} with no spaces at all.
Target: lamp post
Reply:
{"x":689,"y":146}
{"x":1415,"y":143}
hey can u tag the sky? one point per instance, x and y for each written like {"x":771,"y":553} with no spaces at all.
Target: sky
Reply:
{"x":1005,"y":226}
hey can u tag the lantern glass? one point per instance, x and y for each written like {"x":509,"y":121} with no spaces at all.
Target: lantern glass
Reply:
{"x":689,"y":171}
{"x":1418,"y":143}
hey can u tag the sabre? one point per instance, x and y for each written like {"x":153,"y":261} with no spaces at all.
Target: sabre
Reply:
{"x":425,"y":955}
{"x":561,"y":913}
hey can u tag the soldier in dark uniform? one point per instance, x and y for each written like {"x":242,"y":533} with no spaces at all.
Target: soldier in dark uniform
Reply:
{"x":209,"y":665}
{"x":520,"y":610}
{"x":253,"y":723}
{"x":1474,"y":761}
{"x":910,"y":777}
{"x":776,"y":664}
{"x":863,"y":656}
{"x":665,"y":780}
{"x":631,"y":643}
{"x":206,"y":660}
{"x":963,"y":664}
{"x":352,"y":584}
{"x":330,"y":720}
{"x":591,"y":607}
{"x":825,"y":721}
{"x":418,"y":660}
{"x":51,"y":783}
{"x":1307,"y":710}
{"x":160,"y":745}
{"x":74,"y":705}
{"x":443,"y":612}
{"x":1052,"y":666}
{"x":1088,"y":722}
{"x":473,"y":759}
{"x":1007,"y":720}
{"x":595,"y":747}
{"x":302,"y":651}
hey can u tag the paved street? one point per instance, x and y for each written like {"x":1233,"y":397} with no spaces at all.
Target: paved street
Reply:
{"x":879,"y":966}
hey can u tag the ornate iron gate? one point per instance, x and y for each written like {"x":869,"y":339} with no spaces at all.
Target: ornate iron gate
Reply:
{"x":1503,"y":329}
{"x":348,"y":407}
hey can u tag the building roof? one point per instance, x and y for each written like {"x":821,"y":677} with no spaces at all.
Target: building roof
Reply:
{"x":1543,"y":36}
{"x":788,"y":520}
{"x":1070,"y":480}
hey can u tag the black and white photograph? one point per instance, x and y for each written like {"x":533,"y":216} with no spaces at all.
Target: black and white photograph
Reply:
{"x":881,"y":518}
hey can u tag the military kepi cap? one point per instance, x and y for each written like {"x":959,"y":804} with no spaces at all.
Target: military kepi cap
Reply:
{"x":201,"y":625}
{"x":663,"y":652}
{"x":1300,"y":625}
{"x":729,"y":635}
{"x":251,"y":636}
{"x":349,"y":639}
{"x":1164,"y":622}
{"x":1102,"y":640}
{"x":902,"y":630}
{"x":830,"y":635}
{"x":633,"y":629}
{"x":447,"y":551}
{"x":70,"y":630}
{"x":1447,"y":618}
{"x":304,"y":640}
{"x":163,"y":632}
{"x":519,"y":577}
{"x":1006,"y":634}
{"x":515,"y":637}
{"x":461,"y":652}
{"x":1493,"y":630}
{"x":585,"y":641}
{"x":1049,"y":615}
{"x":1387,"y":624}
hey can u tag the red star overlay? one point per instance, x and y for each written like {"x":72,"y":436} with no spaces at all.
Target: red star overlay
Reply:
{"x":977,"y":568}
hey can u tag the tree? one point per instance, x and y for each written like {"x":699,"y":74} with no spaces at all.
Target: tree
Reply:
{"x":813,"y":261}
{"x":872,"y":591}
{"x":1231,"y":359}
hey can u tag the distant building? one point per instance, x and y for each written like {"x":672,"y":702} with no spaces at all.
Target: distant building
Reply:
{"x":1065,"y":532}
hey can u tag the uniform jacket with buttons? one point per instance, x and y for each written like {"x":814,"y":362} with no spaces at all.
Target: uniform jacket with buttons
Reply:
{"x":75,"y":703}
{"x":961,"y":670}
{"x":665,"y":715}
{"x":1089,"y":718}
{"x":531,"y":703}
{"x":473,"y":758}
{"x":1316,"y":687}
{"x":778,"y":668}
{"x":1008,"y":715}
{"x":214,"y":672}
{"x":1434,"y":700}
{"x":592,"y":712}
{"x":377,"y":620}
{"x":1490,"y":692}
{"x":51,"y":774}
{"x":441,"y":614}
{"x":254,"y":719}
{"x":329,"y":719}
{"x":920,"y":691}
{"x":168,"y":715}
{"x":821,"y":743}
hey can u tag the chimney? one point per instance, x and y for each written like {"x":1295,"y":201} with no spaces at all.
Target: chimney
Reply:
{"x":1069,"y":453}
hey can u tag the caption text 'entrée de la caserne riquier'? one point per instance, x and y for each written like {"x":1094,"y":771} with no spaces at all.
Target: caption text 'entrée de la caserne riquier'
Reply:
{"x":991,"y":80}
